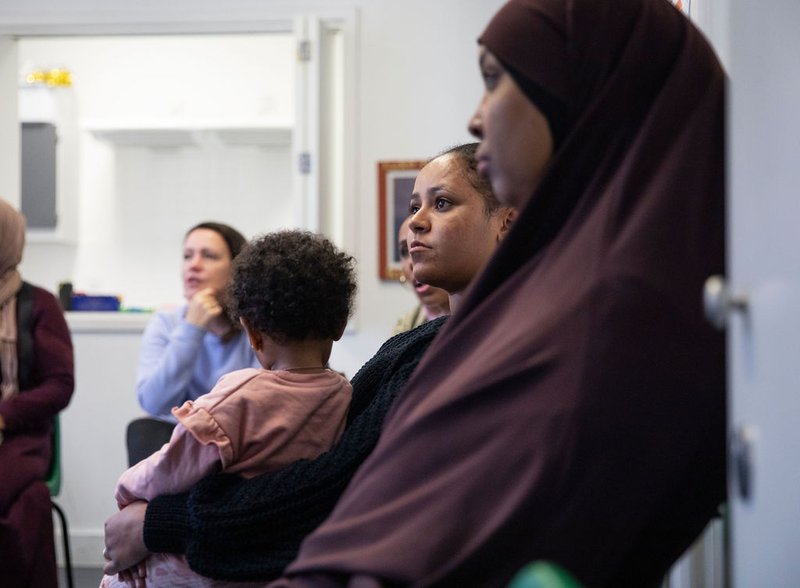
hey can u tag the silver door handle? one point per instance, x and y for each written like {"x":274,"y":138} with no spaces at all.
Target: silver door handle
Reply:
{"x":719,"y":303}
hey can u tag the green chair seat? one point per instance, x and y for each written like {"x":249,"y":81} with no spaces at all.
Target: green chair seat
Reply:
{"x":544,"y":574}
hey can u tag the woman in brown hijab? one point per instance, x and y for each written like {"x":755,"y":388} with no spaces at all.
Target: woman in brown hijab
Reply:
{"x":573,"y":409}
{"x":36,"y":382}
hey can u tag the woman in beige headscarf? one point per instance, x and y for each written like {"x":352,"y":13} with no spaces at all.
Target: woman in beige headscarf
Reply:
{"x":12,"y":239}
{"x":36,"y":382}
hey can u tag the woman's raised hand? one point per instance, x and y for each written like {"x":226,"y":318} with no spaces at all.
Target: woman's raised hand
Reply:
{"x":203,"y":308}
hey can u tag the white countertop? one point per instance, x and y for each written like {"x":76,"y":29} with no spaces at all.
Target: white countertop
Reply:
{"x":107,"y":322}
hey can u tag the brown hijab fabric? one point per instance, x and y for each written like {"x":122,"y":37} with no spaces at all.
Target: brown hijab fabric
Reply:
{"x":12,"y":240}
{"x":573,"y":409}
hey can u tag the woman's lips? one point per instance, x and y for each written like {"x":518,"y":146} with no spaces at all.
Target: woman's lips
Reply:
{"x":483,"y":168}
{"x":416,"y":246}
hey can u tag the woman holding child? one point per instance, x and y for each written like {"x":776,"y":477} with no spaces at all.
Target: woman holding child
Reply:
{"x":457,"y":217}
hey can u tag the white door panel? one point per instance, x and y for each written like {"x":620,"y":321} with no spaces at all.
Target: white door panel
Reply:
{"x":764,"y":265}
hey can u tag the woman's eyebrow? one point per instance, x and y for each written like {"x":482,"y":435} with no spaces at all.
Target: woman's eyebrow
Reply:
{"x":432,"y":191}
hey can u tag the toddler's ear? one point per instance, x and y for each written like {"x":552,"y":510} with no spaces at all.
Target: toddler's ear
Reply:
{"x":252,"y":334}
{"x":341,"y":331}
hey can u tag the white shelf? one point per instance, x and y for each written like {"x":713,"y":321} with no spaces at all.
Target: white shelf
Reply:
{"x":160,"y":134}
{"x":47,"y":236}
{"x":255,"y":135}
{"x":107,"y":322}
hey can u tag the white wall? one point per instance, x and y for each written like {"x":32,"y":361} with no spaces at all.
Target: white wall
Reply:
{"x":416,"y":84}
{"x":127,"y":203}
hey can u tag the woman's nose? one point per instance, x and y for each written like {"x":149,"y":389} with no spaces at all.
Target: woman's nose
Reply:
{"x":475,"y":126}
{"x":417,"y":223}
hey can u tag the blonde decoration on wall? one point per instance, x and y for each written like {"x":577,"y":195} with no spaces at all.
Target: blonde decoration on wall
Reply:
{"x":52,"y":78}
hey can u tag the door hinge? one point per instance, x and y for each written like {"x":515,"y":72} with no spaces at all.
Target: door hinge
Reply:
{"x":304,"y":162}
{"x":740,"y":453}
{"x":304,"y":51}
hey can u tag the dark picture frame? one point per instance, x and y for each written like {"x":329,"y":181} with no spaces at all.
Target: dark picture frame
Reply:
{"x":395,"y":185}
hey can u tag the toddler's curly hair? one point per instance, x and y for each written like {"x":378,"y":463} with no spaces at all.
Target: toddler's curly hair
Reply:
{"x":293,"y":285}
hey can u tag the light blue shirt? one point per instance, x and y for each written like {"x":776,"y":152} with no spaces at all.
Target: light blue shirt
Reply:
{"x":180,"y":362}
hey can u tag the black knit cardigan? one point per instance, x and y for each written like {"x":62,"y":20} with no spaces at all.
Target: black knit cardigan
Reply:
{"x":235,"y":529}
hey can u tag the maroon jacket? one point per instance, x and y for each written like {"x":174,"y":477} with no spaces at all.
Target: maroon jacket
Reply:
{"x":26,"y":533}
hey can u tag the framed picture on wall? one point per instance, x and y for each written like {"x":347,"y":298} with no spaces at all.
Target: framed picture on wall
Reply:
{"x":395,"y":185}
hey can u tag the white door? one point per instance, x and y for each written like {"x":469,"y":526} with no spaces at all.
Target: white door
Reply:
{"x":764,"y":266}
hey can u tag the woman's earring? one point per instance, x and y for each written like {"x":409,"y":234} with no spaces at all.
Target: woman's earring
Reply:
{"x":402,"y":278}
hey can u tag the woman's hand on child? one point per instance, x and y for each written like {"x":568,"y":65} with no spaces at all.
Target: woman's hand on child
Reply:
{"x":124,"y":539}
{"x":136,"y":577}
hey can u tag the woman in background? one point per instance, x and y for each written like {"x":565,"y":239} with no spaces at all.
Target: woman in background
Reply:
{"x":36,"y":383}
{"x":433,"y":302}
{"x":185,"y":351}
